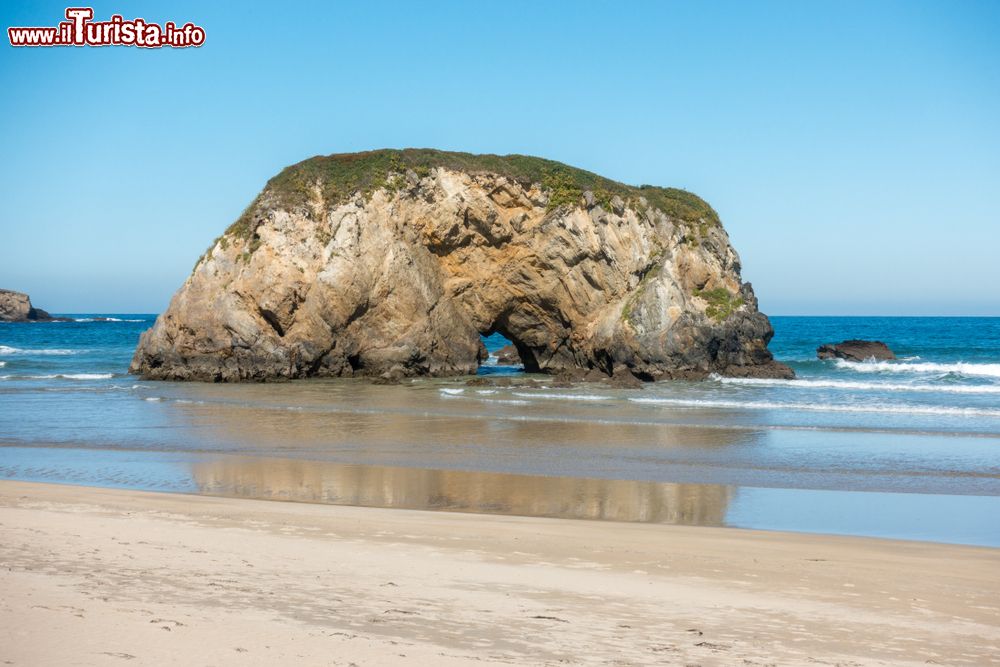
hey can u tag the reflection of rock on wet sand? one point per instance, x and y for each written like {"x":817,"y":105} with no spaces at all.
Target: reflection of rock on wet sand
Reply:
{"x":420,"y":427}
{"x":415,"y":488}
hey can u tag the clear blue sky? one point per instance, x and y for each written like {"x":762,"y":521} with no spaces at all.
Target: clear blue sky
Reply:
{"x":852,"y":149}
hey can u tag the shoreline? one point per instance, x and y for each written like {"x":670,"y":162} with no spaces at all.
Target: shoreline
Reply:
{"x":99,"y":576}
{"x":916,"y":515}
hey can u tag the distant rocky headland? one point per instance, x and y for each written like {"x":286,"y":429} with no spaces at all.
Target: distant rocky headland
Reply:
{"x":16,"y":307}
{"x":393,"y":263}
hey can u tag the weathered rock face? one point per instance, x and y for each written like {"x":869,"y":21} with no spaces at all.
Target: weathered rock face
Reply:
{"x":16,"y":307}
{"x":856,"y":350}
{"x":398,"y":273}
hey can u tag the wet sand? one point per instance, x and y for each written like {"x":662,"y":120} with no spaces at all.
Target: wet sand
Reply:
{"x":103,"y":576}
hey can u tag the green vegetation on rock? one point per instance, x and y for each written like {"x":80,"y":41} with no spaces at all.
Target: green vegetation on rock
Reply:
{"x":652,"y":270}
{"x":721,"y":302}
{"x":563,"y":189}
{"x":336,"y":178}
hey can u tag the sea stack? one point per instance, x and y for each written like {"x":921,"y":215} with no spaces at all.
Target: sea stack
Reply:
{"x":16,"y":307}
{"x":392,"y":263}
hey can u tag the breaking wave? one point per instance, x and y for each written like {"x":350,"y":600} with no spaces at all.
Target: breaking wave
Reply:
{"x":61,"y":376}
{"x":105,"y":319}
{"x":505,"y":401}
{"x":7,"y":351}
{"x":961,"y":368}
{"x":861,"y":386}
{"x":563,"y":397}
{"x":816,"y":407}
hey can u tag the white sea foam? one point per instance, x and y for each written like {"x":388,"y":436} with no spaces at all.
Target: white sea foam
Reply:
{"x":451,"y":391}
{"x":563,"y":397}
{"x":505,"y":401}
{"x":154,"y":399}
{"x":962,"y":368}
{"x":105,"y":319}
{"x":817,"y":407}
{"x":861,"y":386}
{"x":6,"y":350}
{"x":486,"y":391}
{"x":2,"y":364}
{"x":60,"y":376}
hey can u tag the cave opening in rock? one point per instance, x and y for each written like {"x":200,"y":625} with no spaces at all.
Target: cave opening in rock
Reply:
{"x":504,"y":356}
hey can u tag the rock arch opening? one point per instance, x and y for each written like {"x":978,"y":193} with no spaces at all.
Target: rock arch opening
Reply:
{"x":505,"y":355}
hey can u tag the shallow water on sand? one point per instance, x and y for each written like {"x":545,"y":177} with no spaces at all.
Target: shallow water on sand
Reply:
{"x":905,"y":449}
{"x":935,"y":517}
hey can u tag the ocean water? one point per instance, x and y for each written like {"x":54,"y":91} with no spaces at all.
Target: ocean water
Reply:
{"x":907,"y":449}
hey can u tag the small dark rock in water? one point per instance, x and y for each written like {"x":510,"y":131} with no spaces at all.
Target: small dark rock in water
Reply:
{"x":594,"y":375}
{"x":625,"y":380}
{"x":581,"y":375}
{"x":856,"y":350}
{"x":393,"y":376}
{"x":508,"y":356}
{"x":16,"y":307}
{"x":772,"y":369}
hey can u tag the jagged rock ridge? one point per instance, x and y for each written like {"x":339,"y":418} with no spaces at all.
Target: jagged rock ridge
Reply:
{"x":392,"y":263}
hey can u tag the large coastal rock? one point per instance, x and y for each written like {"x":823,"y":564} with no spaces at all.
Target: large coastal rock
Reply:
{"x":16,"y":307}
{"x":856,"y":350}
{"x":392,"y":263}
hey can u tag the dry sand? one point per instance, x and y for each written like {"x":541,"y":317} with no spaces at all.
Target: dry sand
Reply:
{"x":97,"y":576}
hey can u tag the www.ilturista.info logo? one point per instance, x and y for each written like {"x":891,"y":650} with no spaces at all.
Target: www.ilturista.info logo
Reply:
{"x":80,"y":30}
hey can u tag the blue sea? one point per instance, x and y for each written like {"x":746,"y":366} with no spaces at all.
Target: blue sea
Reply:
{"x":905,"y":449}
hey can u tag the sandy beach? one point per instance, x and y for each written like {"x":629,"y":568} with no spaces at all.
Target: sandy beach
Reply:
{"x":100,"y":576}
{"x":553,"y":334}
